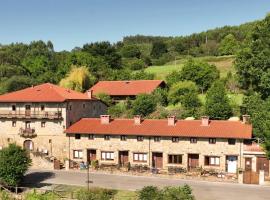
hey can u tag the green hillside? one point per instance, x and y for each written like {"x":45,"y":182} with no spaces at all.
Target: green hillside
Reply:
{"x":223,"y":63}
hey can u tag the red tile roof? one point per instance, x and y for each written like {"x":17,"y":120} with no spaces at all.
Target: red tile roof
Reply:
{"x":126,"y":88}
{"x":46,"y":92}
{"x":152,"y":127}
{"x":254,"y":147}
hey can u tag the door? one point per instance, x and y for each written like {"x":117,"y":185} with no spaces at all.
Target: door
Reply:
{"x":27,"y":125}
{"x":91,"y":155}
{"x":157,"y":160}
{"x":123,"y":158}
{"x":263,"y":164}
{"x":232,"y":164}
{"x":193,"y":161}
{"x":27,"y":110}
{"x":248,"y":164}
{"x":28,"y":145}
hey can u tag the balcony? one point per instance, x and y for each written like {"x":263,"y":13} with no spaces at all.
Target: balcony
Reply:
{"x":31,"y":114}
{"x":27,"y":132}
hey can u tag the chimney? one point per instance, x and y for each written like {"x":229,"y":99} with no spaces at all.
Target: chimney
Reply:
{"x":246,"y":119}
{"x":90,"y":94}
{"x":137,"y":120}
{"x":171,"y":120}
{"x":205,"y":121}
{"x":105,"y":119}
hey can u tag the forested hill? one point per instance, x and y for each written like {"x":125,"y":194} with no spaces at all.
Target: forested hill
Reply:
{"x":22,"y":65}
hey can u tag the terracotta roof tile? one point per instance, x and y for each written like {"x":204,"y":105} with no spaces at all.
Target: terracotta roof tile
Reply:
{"x":46,"y":92}
{"x":126,"y":88}
{"x":151,"y":127}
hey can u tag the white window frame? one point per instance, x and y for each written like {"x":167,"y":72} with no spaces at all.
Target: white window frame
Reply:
{"x":107,"y":155}
{"x":140,"y":157}
{"x":78,"y":154}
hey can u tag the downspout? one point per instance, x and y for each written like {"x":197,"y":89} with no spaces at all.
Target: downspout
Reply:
{"x":149,"y":152}
{"x":68,"y":151}
{"x":241,"y":145}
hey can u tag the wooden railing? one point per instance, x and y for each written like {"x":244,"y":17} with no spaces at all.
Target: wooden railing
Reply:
{"x":31,"y":114}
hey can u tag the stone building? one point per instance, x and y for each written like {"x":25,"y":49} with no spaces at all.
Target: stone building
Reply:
{"x":189,"y":144}
{"x":37,"y":117}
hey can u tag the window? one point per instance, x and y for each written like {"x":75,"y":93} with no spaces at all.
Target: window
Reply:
{"x":123,"y":137}
{"x":83,"y":105}
{"x":91,"y":136}
{"x":231,"y":141}
{"x":14,"y":124}
{"x":193,"y":140}
{"x":77,"y":136}
{"x":50,"y":141}
{"x":107,"y":155}
{"x":13,"y":107}
{"x":175,"y":139}
{"x":157,"y":139}
{"x":43,"y":124}
{"x":140,"y":157}
{"x":175,"y":159}
{"x":70,"y":107}
{"x":107,"y":137}
{"x":42,"y":107}
{"x":212,"y":140}
{"x":212,"y":161}
{"x":139,"y":138}
{"x":77,"y":154}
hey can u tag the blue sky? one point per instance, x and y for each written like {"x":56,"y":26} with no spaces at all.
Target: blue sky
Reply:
{"x":70,"y":23}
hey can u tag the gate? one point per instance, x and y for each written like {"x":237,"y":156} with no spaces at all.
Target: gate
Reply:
{"x":250,"y":177}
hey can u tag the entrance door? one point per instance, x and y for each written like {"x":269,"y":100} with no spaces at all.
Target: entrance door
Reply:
{"x":28,"y":145}
{"x":193,"y":161}
{"x":157,"y":160}
{"x":231,"y":164}
{"x":123,"y":158}
{"x":248,"y":164}
{"x":263,"y":164}
{"x":27,"y":110}
{"x":91,"y":155}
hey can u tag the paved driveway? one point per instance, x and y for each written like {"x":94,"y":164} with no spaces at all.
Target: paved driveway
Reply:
{"x":202,"y":190}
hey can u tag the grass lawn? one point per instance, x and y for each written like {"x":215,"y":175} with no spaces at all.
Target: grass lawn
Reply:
{"x":223,"y":63}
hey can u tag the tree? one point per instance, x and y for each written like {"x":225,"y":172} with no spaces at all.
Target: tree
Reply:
{"x":217,"y":104}
{"x":229,"y":45}
{"x":78,"y":79}
{"x":158,"y":49}
{"x":144,"y":104}
{"x":131,"y":51}
{"x":253,"y":62}
{"x":149,"y":193}
{"x":15,"y":83}
{"x":105,"y":98}
{"x":202,"y":73}
{"x":14,"y":162}
{"x":179,"y":90}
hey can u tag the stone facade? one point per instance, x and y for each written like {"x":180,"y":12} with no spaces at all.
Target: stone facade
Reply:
{"x":41,"y":127}
{"x":165,"y":146}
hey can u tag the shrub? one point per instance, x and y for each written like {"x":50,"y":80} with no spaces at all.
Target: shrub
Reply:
{"x":18,"y":163}
{"x":46,"y":196}
{"x":144,"y":104}
{"x":95,"y":194}
{"x":149,"y":193}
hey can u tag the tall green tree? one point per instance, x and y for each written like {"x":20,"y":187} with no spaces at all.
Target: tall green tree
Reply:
{"x":253,"y":62}
{"x":14,"y":162}
{"x":144,"y":104}
{"x":202,"y":73}
{"x":217,"y":105}
{"x":158,"y":49}
{"x":229,"y":45}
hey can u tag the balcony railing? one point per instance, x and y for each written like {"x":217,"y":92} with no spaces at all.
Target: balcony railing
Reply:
{"x":31,"y":114}
{"x":27,"y":132}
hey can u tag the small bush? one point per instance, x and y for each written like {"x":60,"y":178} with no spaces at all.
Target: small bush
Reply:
{"x":149,"y":193}
{"x":46,"y":196}
{"x":95,"y":194}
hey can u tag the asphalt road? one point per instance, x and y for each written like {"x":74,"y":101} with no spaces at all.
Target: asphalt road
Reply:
{"x":202,"y":190}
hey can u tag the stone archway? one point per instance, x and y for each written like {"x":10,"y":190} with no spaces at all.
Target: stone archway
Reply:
{"x":28,"y":145}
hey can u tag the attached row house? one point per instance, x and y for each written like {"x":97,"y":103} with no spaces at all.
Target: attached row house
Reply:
{"x":160,"y":143}
{"x":37,"y":117}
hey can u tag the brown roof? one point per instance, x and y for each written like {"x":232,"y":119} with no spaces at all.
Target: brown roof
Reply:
{"x":126,"y":88}
{"x":152,"y":127}
{"x":46,"y":92}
